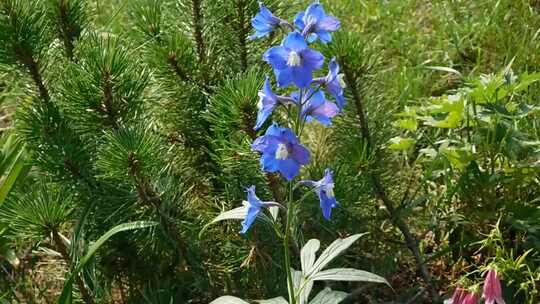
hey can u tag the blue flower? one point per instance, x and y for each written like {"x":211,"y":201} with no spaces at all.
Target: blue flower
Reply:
{"x":281,"y":151}
{"x":334,"y":83}
{"x":325,"y":190}
{"x":254,"y":205}
{"x":314,"y":23}
{"x":293,"y":61}
{"x":264,"y":22}
{"x":317,"y":107}
{"x":268,"y":101}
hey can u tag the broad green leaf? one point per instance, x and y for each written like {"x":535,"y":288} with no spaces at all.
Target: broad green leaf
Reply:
{"x":328,"y":296}
{"x":332,"y":251}
{"x":66,"y":296}
{"x":307,"y":255}
{"x":348,"y":274}
{"x":278,"y":300}
{"x":229,"y":300}
{"x":401,"y":144}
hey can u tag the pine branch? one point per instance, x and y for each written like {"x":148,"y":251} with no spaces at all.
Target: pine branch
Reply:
{"x":107,"y":103}
{"x":33,"y":68}
{"x":178,"y":70}
{"x":242,"y":33}
{"x":66,"y":30}
{"x":149,"y":196}
{"x":197,"y":19}
{"x":380,"y":192}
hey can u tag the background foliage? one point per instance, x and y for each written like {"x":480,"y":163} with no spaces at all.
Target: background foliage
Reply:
{"x":142,"y":110}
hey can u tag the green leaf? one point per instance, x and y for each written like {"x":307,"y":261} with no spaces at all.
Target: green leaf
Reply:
{"x":328,"y":296}
{"x":307,"y":255}
{"x":278,"y":300}
{"x":229,"y":300}
{"x":234,"y":214}
{"x":348,"y":274}
{"x":332,"y":251}
{"x":401,"y":144}
{"x":66,"y":296}
{"x":407,"y":124}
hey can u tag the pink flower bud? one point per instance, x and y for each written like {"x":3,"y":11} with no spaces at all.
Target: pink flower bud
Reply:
{"x":492,"y":288}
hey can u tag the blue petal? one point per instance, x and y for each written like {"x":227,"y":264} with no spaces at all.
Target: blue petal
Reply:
{"x":263,"y":115}
{"x":301,"y":154}
{"x":329,"y":24}
{"x":252,"y":198}
{"x":294,"y":41}
{"x":289,"y":136}
{"x":314,"y":13}
{"x":277,"y":57}
{"x":298,"y":21}
{"x":327,"y":204}
{"x":269,"y":163}
{"x":284,"y":77}
{"x":312,"y":59}
{"x":333,"y":69}
{"x":302,"y":76}
{"x":289,"y":168}
{"x":251,"y":215}
{"x":325,"y":36}
{"x":274,"y":130}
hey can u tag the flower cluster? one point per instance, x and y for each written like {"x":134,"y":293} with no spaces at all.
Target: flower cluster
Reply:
{"x":294,"y":63}
{"x":492,"y":292}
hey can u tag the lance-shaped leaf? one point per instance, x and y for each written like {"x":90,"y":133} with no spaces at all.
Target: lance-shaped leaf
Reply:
{"x":234,"y":214}
{"x":348,"y":274}
{"x":328,"y":296}
{"x":332,"y":251}
{"x":307,"y":255}
{"x":228,"y":300}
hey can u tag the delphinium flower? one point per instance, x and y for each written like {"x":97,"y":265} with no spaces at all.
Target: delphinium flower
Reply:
{"x":254,"y":206}
{"x":281,"y":151}
{"x":264,"y":22}
{"x":492,"y":288}
{"x":333,"y":82}
{"x":293,"y":61}
{"x":316,"y":107}
{"x":315,"y":23}
{"x":268,"y":101}
{"x":325,"y":190}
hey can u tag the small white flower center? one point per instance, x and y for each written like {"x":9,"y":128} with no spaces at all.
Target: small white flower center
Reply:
{"x":341,"y":80}
{"x":294,"y":59}
{"x":281,"y":152}
{"x":260,"y":103}
{"x":329,"y":190}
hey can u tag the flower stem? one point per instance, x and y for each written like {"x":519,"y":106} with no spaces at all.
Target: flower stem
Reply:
{"x":286,"y":241}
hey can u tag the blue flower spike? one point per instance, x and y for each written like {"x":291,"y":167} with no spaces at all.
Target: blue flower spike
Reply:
{"x":315,"y":23}
{"x":264,"y":22}
{"x":325,"y":191}
{"x":281,"y":151}
{"x":293,"y":61}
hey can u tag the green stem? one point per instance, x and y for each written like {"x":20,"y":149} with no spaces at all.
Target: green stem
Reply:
{"x":286,"y":242}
